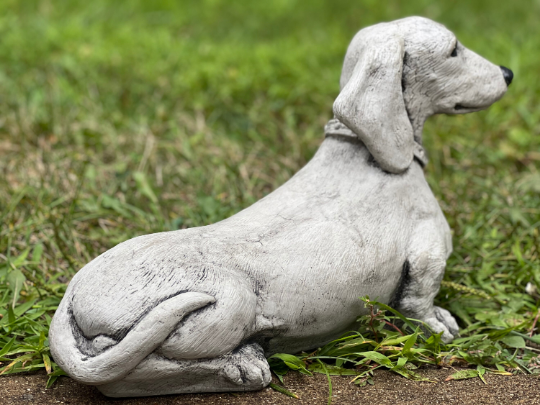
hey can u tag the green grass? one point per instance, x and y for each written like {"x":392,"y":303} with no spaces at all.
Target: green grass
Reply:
{"x":121,"y":119}
{"x":379,"y":342}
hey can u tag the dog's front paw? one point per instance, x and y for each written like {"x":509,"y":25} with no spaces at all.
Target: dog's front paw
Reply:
{"x":448,"y":320}
{"x":443,"y":321}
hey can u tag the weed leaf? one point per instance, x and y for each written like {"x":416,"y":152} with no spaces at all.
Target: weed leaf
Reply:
{"x":283,"y":390}
{"x":516,"y":342}
{"x":16,"y":281}
{"x":463,"y":375}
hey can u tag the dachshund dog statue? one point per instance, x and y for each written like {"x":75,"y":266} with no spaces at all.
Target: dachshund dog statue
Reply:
{"x":197,"y":310}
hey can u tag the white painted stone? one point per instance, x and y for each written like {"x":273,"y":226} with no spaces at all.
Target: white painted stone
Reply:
{"x":196,"y":310}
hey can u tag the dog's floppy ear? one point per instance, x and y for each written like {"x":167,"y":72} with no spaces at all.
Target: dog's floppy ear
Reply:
{"x":371,"y":101}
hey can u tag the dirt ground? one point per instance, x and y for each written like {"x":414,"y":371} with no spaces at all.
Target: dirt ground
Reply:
{"x":389,"y":388}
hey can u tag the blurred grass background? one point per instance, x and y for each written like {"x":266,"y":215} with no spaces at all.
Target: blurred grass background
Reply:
{"x":123,"y":118}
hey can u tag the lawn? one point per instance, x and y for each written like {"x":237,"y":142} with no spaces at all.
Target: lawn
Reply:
{"x":122,"y":119}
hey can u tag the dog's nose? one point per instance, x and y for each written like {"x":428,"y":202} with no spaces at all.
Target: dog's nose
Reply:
{"x":507,"y":74}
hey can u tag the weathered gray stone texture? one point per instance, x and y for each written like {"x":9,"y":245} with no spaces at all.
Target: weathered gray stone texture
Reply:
{"x":197,"y":310}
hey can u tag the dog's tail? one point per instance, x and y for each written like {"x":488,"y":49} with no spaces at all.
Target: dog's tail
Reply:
{"x":118,"y":359}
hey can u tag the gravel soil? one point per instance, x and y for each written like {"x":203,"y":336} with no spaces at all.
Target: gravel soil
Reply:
{"x":388,"y":389}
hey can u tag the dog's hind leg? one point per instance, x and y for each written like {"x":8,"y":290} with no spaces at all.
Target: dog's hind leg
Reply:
{"x":206,"y":353}
{"x":244,"y":369}
{"x":421,"y":279}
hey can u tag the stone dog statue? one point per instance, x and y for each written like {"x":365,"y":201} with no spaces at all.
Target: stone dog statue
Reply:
{"x":197,"y":310}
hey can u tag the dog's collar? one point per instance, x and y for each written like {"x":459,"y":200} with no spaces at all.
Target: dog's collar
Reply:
{"x":336,"y":127}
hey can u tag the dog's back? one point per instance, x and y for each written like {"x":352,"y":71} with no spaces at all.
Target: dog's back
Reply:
{"x":338,"y":230}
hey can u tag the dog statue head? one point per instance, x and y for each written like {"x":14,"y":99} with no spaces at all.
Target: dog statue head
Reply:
{"x":397,"y":74}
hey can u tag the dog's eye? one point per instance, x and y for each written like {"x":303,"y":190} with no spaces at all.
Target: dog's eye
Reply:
{"x":454,"y":52}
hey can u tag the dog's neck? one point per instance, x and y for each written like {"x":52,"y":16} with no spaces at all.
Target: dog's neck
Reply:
{"x":336,"y":127}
